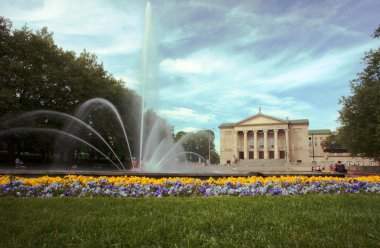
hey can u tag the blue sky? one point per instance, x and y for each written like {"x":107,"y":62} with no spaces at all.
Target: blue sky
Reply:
{"x":219,"y":61}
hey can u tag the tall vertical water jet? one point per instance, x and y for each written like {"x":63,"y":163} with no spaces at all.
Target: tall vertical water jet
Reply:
{"x":144,"y":76}
{"x":157,"y":147}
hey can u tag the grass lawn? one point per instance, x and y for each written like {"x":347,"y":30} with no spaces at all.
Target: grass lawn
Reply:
{"x":262,"y":221}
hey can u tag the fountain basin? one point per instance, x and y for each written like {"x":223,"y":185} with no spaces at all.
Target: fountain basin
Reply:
{"x":200,"y":174}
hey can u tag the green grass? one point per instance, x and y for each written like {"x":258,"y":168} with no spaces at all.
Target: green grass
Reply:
{"x":269,"y":221}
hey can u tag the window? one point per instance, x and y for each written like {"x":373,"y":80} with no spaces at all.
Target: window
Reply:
{"x":315,"y":143}
{"x":271,"y":142}
{"x":309,"y":138}
{"x":309,"y":143}
{"x":261,"y":142}
{"x":251,"y":143}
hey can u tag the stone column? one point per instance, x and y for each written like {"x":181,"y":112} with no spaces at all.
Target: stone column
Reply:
{"x":287,"y":144}
{"x":255,"y":153}
{"x":245,"y":145}
{"x":265,"y":144}
{"x":236,"y":154}
{"x":275,"y":133}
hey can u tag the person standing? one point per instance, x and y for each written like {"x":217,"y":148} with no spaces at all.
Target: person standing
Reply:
{"x":17,"y":163}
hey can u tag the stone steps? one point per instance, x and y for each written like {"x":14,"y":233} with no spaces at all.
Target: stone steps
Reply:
{"x":262,"y":162}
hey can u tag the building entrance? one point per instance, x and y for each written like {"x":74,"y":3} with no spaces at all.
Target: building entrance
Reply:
{"x":271,"y":154}
{"x":241,"y":155}
{"x":250,"y":155}
{"x":261,"y":155}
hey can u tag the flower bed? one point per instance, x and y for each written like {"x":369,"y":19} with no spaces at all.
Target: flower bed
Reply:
{"x":86,"y":186}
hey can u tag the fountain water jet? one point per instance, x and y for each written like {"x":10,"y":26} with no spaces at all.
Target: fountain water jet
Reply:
{"x":156,"y":144}
{"x":147,"y":31}
{"x":69,"y":117}
{"x":81,"y":112}
{"x":156,"y":147}
{"x":50,"y":130}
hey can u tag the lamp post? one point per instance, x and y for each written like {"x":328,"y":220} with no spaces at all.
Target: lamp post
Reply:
{"x":209,"y":150}
{"x":312,"y":144}
{"x":209,"y":143}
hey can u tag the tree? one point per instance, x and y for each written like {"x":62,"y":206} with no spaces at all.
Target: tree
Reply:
{"x":360,"y":114}
{"x":201,"y":142}
{"x":36,"y":74}
{"x":333,"y":144}
{"x":179,"y":135}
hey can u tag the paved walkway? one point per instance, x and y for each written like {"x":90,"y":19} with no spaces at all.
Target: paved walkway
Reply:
{"x":198,"y":171}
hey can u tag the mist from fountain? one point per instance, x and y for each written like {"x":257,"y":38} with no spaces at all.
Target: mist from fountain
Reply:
{"x":157,"y":146}
{"x":145,"y":48}
{"x":83,"y":111}
{"x":64,"y":116}
{"x":55,"y":131}
{"x":157,"y":149}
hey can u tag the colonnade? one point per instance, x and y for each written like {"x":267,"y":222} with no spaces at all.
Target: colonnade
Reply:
{"x":255,"y":143}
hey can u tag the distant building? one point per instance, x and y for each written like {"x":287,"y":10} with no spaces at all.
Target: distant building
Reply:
{"x":266,"y":138}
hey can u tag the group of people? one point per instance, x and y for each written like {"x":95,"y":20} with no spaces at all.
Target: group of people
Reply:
{"x":338,"y":167}
{"x":135,"y":164}
{"x":317,"y":168}
{"x":19,"y":163}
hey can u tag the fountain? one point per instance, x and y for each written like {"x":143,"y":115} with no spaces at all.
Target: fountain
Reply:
{"x":157,"y":150}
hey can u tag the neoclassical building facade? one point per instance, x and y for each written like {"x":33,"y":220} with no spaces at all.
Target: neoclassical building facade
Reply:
{"x":262,"y":137}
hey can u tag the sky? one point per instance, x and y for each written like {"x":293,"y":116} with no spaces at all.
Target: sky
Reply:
{"x":212,"y":62}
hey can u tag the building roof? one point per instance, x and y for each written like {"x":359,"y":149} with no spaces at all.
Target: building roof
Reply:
{"x":226,"y":125}
{"x":260,"y":114}
{"x":320,"y":131}
{"x":299,"y":121}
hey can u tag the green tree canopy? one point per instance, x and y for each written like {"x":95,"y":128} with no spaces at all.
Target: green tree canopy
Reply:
{"x":333,"y":144}
{"x":360,"y":114}
{"x":37,"y":74}
{"x":200,"y":142}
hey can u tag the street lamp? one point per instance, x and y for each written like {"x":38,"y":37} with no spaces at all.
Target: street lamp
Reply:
{"x":209,"y":144}
{"x":209,"y":150}
{"x":208,"y":131}
{"x":312,"y":144}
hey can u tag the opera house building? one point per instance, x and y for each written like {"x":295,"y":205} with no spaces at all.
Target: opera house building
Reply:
{"x":266,"y":140}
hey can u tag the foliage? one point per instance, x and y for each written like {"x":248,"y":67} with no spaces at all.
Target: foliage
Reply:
{"x":287,"y":221}
{"x":36,"y":74}
{"x":201,"y":142}
{"x":333,"y":144}
{"x":360,"y":114}
{"x":81,"y":186}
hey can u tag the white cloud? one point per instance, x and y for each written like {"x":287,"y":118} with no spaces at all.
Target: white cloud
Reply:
{"x":220,"y":61}
{"x":300,"y":70}
{"x":191,"y":129}
{"x":199,"y":65}
{"x":177,"y":35}
{"x":92,"y":25}
{"x":186,"y":114}
{"x":117,"y":47}
{"x":272,"y":100}
{"x":130,"y":82}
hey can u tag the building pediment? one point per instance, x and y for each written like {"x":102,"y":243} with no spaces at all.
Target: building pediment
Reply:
{"x":260,"y":119}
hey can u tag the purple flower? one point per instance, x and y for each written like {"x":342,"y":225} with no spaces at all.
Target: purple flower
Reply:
{"x":202,"y":190}
{"x":229,"y":184}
